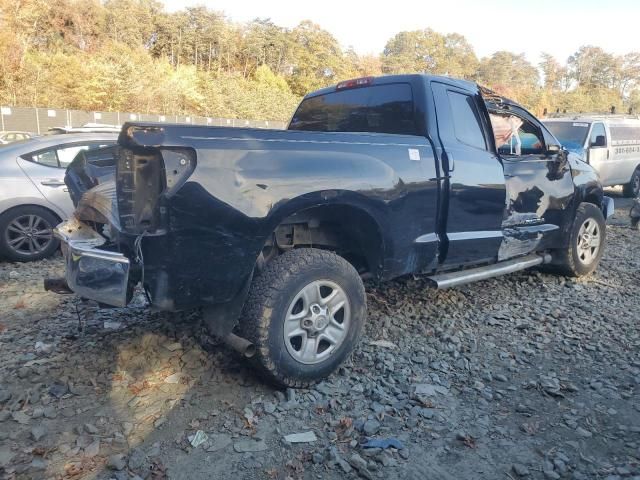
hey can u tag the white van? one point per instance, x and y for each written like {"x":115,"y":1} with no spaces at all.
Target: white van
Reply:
{"x":610,"y":143}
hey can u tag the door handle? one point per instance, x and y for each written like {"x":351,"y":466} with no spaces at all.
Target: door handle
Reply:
{"x":52,"y":183}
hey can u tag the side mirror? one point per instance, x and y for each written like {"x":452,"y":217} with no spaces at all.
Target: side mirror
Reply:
{"x":599,"y":142}
{"x":553,"y":148}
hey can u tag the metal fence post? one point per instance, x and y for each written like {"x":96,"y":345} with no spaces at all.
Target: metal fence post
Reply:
{"x":37,"y":121}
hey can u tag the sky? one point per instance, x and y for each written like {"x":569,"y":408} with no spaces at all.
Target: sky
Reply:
{"x":558,"y":27}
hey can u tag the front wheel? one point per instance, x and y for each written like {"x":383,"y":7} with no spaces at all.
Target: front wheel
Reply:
{"x":632,"y":189}
{"x":586,"y":245}
{"x":304,"y":314}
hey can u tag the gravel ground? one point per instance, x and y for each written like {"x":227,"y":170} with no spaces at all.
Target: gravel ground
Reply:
{"x":526,"y":376}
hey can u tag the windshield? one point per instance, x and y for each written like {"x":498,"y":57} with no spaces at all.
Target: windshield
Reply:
{"x":571,"y":134}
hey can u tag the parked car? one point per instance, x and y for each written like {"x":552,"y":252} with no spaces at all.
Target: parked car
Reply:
{"x":14,"y":136}
{"x":610,"y":144}
{"x":86,"y":128}
{"x":271,"y":231}
{"x":34,"y":197}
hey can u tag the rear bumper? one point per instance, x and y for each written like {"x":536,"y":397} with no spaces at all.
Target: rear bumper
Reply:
{"x":91,"y":272}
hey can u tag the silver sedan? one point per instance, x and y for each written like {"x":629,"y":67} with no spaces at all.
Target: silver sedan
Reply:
{"x":33,"y":195}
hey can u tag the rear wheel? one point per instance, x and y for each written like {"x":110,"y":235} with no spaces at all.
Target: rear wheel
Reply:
{"x":632,"y":189}
{"x":304,"y":314}
{"x":26,"y":234}
{"x":586,"y":243}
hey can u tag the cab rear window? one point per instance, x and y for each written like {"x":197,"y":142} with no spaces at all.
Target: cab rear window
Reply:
{"x":379,"y":108}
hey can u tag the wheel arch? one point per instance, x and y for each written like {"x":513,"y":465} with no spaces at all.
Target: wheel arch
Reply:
{"x":32,"y":204}
{"x":349,"y":228}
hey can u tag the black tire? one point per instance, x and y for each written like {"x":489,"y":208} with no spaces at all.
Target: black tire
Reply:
{"x":570,"y":261}
{"x":270,"y":301}
{"x":35,"y":247}
{"x":632,"y":189}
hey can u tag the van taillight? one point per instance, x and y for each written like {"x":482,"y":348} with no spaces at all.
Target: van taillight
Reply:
{"x":355,"y":83}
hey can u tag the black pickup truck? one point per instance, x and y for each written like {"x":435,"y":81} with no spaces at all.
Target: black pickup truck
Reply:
{"x":271,"y":232}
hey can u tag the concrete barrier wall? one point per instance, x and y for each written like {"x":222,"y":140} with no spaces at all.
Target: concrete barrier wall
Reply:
{"x":40,"y":120}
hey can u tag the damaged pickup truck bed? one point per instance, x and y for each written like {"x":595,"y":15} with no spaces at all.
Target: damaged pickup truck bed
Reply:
{"x":271,"y":232}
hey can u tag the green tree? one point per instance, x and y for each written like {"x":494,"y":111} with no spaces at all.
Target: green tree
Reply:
{"x":427,"y":51}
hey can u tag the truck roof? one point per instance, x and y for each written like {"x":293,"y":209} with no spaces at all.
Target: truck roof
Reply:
{"x":385,"y":79}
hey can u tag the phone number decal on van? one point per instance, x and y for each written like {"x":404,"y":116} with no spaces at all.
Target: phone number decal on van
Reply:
{"x":623,"y":150}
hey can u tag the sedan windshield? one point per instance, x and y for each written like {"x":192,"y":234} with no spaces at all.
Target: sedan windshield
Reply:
{"x":571,"y":134}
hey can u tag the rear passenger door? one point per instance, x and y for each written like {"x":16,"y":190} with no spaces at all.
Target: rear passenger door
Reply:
{"x":473,"y":190}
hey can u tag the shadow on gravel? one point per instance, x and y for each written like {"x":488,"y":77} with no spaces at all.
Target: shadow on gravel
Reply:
{"x":98,"y":403}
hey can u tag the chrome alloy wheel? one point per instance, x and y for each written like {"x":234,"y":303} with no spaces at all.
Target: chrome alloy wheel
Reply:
{"x":28,"y":234}
{"x":589,"y":237}
{"x":317,"y":322}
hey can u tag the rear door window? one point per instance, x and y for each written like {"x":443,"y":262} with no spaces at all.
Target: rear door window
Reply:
{"x":61,"y":156}
{"x":466,"y":120}
{"x":378,"y":108}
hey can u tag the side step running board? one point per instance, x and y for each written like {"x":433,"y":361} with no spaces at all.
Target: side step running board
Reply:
{"x":453,"y":279}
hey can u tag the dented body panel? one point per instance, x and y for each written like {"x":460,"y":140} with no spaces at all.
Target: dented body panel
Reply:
{"x":196,"y":210}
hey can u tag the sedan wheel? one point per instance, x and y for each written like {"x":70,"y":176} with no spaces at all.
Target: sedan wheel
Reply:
{"x":29,"y":235}
{"x":26,"y":234}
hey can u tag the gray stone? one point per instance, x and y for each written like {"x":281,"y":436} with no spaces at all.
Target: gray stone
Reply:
{"x":91,"y":428}
{"x":371,"y":427}
{"x":584,"y":433}
{"x":358,"y":462}
{"x":249,"y":445}
{"x":291,"y":395}
{"x":117,"y":462}
{"x":218,"y":441}
{"x":137,"y":459}
{"x":38,"y":432}
{"x":58,"y":390}
{"x":269,"y":407}
{"x":6,"y":455}
{"x":344,"y":465}
{"x":304,"y":437}
{"x":520,"y":470}
{"x":38,"y":464}
{"x":92,"y":449}
{"x":5,"y":395}
{"x":21,"y":417}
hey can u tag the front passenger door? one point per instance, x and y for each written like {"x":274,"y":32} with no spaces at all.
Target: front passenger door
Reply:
{"x":539,"y":189}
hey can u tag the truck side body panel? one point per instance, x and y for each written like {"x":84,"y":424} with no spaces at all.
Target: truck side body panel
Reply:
{"x":248,"y":181}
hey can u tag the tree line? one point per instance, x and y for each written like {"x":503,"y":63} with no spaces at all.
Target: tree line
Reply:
{"x":131,"y":55}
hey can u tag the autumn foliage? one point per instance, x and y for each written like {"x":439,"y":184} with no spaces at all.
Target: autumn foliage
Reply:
{"x":131,"y":55}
